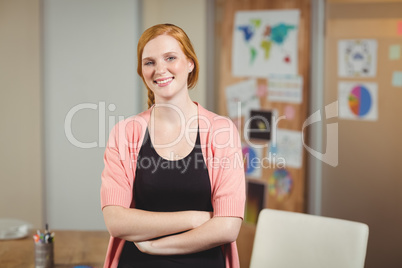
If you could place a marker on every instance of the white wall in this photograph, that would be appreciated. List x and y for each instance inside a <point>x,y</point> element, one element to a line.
<point>21,173</point>
<point>89,61</point>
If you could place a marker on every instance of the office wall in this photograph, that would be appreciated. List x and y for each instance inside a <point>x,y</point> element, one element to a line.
<point>191,16</point>
<point>88,67</point>
<point>366,186</point>
<point>89,81</point>
<point>21,173</point>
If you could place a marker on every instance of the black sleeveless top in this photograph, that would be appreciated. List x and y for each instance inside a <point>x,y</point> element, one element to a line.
<point>166,186</point>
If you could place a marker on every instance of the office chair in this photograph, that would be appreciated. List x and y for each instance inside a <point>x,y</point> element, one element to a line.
<point>295,240</point>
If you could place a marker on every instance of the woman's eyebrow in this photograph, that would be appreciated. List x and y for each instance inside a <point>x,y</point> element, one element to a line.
<point>170,52</point>
<point>164,55</point>
<point>147,58</point>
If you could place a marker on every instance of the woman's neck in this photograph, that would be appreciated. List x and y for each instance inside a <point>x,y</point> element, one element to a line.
<point>175,112</point>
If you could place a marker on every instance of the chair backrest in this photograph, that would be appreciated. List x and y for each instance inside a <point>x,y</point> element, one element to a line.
<point>289,239</point>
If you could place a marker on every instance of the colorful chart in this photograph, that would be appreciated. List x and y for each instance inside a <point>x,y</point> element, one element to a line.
<point>360,101</point>
<point>280,184</point>
<point>265,42</point>
<point>252,161</point>
<point>255,201</point>
<point>357,58</point>
<point>249,154</point>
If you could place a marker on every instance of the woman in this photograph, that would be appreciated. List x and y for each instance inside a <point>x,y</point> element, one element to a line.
<point>173,188</point>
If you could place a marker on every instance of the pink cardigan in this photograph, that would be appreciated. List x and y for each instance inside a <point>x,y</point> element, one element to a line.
<point>221,148</point>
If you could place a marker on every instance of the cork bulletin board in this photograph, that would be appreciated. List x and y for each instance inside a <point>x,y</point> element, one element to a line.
<point>258,187</point>
<point>261,188</point>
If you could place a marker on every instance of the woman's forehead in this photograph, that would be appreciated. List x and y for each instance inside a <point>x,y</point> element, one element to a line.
<point>160,45</point>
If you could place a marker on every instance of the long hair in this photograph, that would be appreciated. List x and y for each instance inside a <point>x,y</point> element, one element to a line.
<point>185,44</point>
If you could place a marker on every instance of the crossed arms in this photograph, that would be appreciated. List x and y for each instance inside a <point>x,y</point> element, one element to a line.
<point>189,231</point>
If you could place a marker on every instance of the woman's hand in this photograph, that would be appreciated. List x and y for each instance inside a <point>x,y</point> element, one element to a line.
<point>144,246</point>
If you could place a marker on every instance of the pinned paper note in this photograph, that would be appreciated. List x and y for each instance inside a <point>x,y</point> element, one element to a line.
<point>397,78</point>
<point>260,125</point>
<point>289,147</point>
<point>358,100</point>
<point>255,201</point>
<point>280,184</point>
<point>399,28</point>
<point>290,112</point>
<point>265,42</point>
<point>285,88</point>
<point>252,158</point>
<point>357,58</point>
<point>262,91</point>
<point>241,98</point>
<point>394,52</point>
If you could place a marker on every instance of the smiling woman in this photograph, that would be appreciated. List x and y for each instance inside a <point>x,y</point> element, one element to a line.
<point>165,67</point>
<point>185,47</point>
<point>169,204</point>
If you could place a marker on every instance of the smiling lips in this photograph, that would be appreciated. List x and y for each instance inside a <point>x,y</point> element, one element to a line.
<point>163,81</point>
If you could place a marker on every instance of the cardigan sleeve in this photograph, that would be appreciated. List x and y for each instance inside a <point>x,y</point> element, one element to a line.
<point>117,176</point>
<point>228,170</point>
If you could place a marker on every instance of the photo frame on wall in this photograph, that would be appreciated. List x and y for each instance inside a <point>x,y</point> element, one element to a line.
<point>259,125</point>
<point>255,202</point>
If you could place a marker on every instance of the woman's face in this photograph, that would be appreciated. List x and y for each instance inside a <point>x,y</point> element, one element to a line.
<point>165,67</point>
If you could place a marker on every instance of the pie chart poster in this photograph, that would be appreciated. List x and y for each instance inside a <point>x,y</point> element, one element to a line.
<point>358,101</point>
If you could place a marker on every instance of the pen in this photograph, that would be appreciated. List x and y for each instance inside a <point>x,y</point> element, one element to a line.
<point>45,237</point>
<point>36,238</point>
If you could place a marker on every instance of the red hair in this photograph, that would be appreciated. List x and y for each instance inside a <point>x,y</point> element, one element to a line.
<point>185,44</point>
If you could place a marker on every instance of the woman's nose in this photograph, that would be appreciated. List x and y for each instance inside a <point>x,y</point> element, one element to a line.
<point>160,67</point>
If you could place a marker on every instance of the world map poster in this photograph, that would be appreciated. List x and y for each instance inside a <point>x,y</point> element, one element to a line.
<point>265,42</point>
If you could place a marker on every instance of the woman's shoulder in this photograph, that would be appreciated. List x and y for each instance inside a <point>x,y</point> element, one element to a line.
<point>222,132</point>
<point>134,123</point>
<point>214,120</point>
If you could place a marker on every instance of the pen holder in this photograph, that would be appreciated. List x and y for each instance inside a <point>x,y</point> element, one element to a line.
<point>44,255</point>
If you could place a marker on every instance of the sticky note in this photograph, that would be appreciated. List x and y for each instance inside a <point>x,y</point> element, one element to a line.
<point>399,29</point>
<point>397,79</point>
<point>394,52</point>
<point>262,90</point>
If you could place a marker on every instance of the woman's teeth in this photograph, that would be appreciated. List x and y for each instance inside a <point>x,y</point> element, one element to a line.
<point>164,81</point>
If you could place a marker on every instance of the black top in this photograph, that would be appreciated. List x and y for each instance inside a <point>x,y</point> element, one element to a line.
<point>165,186</point>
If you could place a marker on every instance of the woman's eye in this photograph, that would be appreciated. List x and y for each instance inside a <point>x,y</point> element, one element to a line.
<point>148,63</point>
<point>171,58</point>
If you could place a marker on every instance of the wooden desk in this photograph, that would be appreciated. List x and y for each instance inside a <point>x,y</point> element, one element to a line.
<point>71,248</point>
<point>245,242</point>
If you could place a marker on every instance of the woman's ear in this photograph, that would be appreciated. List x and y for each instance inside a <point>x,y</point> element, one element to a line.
<point>190,65</point>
